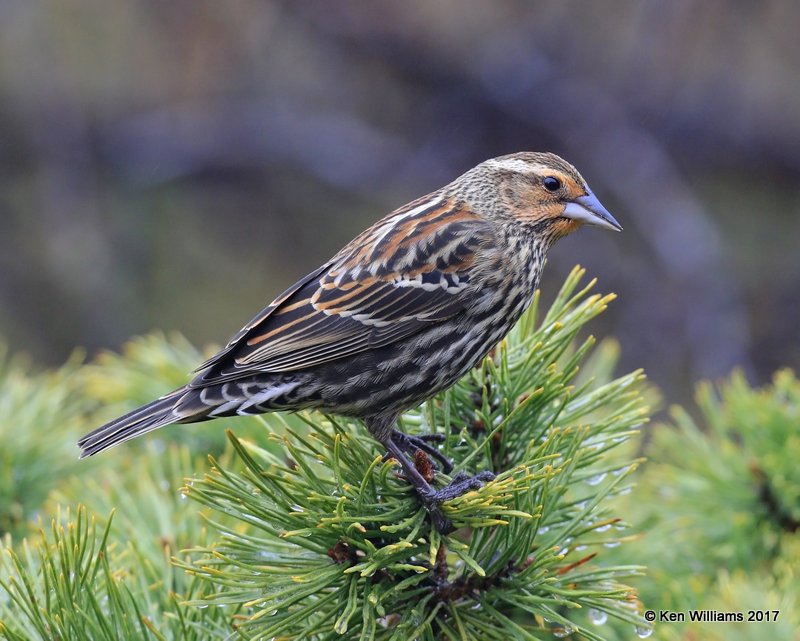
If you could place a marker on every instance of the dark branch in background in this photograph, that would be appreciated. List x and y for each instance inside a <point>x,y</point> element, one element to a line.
<point>775,511</point>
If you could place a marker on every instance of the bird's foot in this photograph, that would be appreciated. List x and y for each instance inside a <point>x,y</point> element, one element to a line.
<point>461,484</point>
<point>410,444</point>
<point>432,499</point>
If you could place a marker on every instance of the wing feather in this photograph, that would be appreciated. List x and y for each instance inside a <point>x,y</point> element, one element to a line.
<point>411,269</point>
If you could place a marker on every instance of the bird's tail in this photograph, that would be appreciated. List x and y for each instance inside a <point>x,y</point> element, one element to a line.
<point>145,419</point>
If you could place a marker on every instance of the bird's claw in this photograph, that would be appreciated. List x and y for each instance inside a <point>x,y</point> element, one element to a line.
<point>432,499</point>
<point>460,485</point>
<point>411,444</point>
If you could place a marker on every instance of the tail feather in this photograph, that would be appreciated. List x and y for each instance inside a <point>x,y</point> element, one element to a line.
<point>187,405</point>
<point>144,419</point>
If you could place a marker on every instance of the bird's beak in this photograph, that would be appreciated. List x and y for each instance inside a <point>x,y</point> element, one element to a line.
<point>587,209</point>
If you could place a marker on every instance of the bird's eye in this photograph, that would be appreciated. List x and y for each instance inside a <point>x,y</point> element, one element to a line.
<point>551,183</point>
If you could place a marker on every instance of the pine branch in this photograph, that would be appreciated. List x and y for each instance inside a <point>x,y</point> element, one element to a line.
<point>320,538</point>
<point>87,578</point>
<point>64,587</point>
<point>332,544</point>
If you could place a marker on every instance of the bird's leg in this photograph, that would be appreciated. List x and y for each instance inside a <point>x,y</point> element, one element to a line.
<point>382,428</point>
<point>426,493</point>
<point>410,444</point>
<point>432,499</point>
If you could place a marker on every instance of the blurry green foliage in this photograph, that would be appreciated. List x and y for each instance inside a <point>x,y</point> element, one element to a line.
<point>720,504</point>
<point>147,367</point>
<point>40,416</point>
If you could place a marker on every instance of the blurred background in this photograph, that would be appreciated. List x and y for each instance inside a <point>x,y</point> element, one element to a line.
<point>176,165</point>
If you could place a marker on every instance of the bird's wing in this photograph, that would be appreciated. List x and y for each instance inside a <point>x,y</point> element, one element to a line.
<point>407,271</point>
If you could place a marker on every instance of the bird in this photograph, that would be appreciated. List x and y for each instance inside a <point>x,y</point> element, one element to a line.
<point>400,313</point>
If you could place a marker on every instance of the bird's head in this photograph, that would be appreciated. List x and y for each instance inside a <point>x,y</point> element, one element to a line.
<point>545,193</point>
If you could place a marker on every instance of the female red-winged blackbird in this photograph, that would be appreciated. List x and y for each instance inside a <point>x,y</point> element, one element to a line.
<point>400,313</point>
